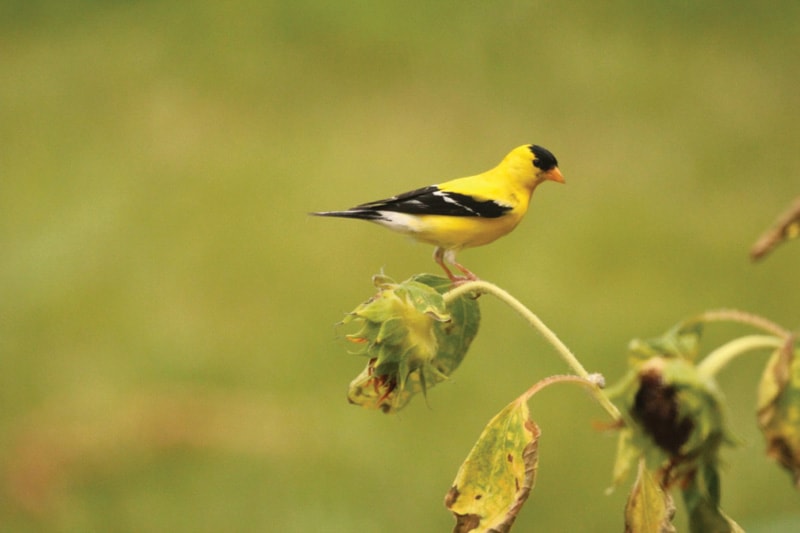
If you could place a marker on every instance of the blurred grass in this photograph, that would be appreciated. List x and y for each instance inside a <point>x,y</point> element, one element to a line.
<point>167,353</point>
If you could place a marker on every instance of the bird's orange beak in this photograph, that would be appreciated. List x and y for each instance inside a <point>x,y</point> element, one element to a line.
<point>554,175</point>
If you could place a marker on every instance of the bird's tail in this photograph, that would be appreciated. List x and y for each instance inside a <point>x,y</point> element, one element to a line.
<point>363,214</point>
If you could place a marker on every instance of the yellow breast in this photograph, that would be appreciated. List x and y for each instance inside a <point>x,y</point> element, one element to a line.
<point>455,233</point>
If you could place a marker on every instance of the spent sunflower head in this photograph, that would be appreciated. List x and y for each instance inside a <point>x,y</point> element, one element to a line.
<point>412,338</point>
<point>676,411</point>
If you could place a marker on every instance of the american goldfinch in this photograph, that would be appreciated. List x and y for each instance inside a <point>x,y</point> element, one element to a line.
<point>464,212</point>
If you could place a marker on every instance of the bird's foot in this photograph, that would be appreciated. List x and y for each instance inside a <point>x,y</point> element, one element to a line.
<point>460,280</point>
<point>439,257</point>
<point>468,275</point>
<point>466,278</point>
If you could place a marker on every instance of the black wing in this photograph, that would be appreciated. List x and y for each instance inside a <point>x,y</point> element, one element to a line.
<point>432,201</point>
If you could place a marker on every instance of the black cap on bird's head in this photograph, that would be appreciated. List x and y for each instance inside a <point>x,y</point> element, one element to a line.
<point>546,162</point>
<point>543,158</point>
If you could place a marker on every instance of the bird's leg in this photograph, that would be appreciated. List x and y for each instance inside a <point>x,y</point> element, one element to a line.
<point>438,256</point>
<point>441,255</point>
<point>468,275</point>
<point>450,256</point>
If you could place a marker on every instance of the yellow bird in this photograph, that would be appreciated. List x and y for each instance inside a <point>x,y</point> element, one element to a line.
<point>464,212</point>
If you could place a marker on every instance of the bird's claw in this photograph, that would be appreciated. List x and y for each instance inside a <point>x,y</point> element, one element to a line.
<point>460,280</point>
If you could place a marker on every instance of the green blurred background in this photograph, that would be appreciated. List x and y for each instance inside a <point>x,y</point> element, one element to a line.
<point>168,355</point>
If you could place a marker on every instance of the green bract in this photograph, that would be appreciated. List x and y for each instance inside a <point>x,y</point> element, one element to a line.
<point>413,340</point>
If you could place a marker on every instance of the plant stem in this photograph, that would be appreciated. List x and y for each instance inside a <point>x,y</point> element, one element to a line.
<point>563,378</point>
<point>734,315</point>
<point>719,358</point>
<point>565,353</point>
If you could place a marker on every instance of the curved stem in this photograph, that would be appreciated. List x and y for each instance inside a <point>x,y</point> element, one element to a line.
<point>719,358</point>
<point>562,378</point>
<point>565,353</point>
<point>734,315</point>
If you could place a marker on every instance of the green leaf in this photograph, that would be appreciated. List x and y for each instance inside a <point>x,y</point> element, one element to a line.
<point>649,509</point>
<point>779,408</point>
<point>498,474</point>
<point>701,496</point>
<point>682,341</point>
<point>456,335</point>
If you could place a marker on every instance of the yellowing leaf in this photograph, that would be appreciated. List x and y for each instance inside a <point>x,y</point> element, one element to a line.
<point>649,509</point>
<point>628,452</point>
<point>498,474</point>
<point>779,409</point>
